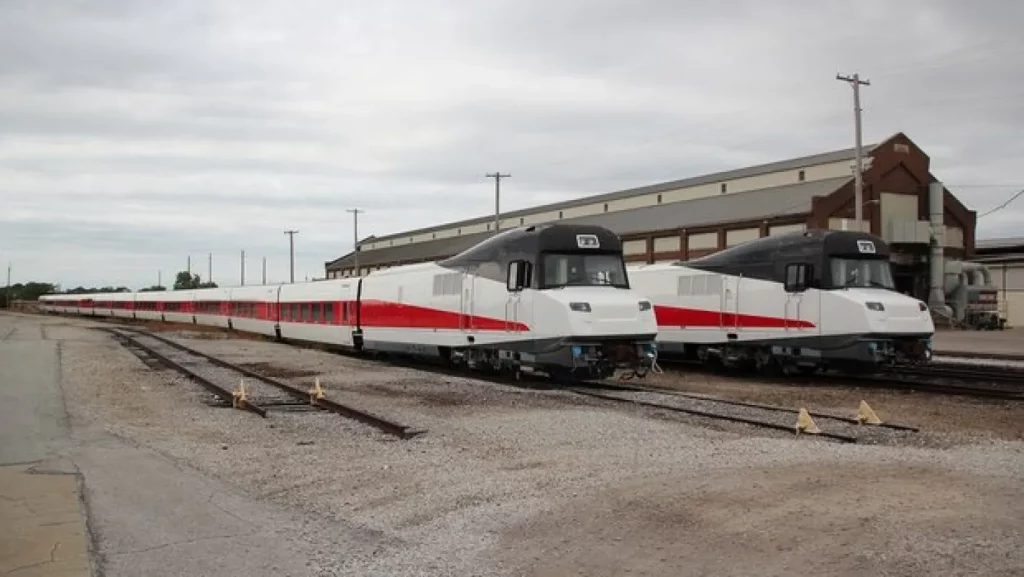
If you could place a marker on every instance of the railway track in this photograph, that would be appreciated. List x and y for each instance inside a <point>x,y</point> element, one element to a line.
<point>836,427</point>
<point>979,355</point>
<point>219,377</point>
<point>974,381</point>
<point>847,429</point>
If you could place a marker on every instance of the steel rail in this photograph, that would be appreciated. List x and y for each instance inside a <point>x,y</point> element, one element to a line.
<point>718,416</point>
<point>776,408</point>
<point>897,381</point>
<point>978,355</point>
<point>210,385</point>
<point>397,429</point>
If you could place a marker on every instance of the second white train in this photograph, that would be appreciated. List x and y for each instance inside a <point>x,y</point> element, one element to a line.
<point>805,301</point>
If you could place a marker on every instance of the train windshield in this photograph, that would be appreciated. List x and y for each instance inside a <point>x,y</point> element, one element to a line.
<point>861,273</point>
<point>583,270</point>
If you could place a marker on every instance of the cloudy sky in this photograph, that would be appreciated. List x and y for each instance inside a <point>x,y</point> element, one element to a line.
<point>136,134</point>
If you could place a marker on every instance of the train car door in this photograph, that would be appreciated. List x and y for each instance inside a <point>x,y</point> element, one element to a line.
<point>519,300</point>
<point>730,303</point>
<point>466,309</point>
<point>803,302</point>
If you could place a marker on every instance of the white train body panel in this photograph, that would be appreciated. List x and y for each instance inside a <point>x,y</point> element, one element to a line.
<point>318,312</point>
<point>252,309</point>
<point>211,306</point>
<point>146,305</point>
<point>845,310</point>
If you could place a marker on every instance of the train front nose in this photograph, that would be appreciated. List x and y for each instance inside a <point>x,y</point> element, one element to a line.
<point>621,313</point>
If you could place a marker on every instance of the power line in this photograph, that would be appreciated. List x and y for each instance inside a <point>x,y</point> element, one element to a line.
<point>856,83</point>
<point>1005,204</point>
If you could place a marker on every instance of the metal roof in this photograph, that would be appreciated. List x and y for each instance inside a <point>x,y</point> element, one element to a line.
<point>735,207</point>
<point>791,164</point>
<point>998,243</point>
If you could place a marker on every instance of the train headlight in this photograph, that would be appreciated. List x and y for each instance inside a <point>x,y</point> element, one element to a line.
<point>875,306</point>
<point>645,306</point>
<point>580,307</point>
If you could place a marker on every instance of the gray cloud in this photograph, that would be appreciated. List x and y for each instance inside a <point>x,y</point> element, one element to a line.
<point>137,133</point>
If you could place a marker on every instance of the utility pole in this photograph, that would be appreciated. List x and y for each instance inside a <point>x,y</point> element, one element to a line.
<point>188,266</point>
<point>264,270</point>
<point>243,268</point>
<point>355,239</point>
<point>291,249</point>
<point>497,176</point>
<point>159,278</point>
<point>209,268</point>
<point>856,82</point>
<point>7,292</point>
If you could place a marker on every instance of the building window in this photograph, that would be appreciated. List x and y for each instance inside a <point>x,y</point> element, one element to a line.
<point>559,215</point>
<point>606,207</point>
<point>801,176</point>
<point>723,188</point>
<point>659,199</point>
<point>488,226</point>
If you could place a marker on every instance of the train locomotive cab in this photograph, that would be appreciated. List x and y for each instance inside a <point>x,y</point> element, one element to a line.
<point>808,300</point>
<point>564,300</point>
<point>860,302</point>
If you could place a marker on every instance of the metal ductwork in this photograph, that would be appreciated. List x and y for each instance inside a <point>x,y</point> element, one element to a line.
<point>936,293</point>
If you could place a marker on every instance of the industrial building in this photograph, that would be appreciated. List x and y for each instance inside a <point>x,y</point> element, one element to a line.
<point>692,217</point>
<point>1004,260</point>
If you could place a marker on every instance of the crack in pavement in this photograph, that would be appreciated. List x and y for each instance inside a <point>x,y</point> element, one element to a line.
<point>185,542</point>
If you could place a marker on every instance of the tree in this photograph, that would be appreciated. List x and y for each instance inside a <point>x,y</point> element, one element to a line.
<point>184,281</point>
<point>24,292</point>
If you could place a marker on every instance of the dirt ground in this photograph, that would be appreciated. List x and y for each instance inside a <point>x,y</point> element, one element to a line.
<point>508,483</point>
<point>774,520</point>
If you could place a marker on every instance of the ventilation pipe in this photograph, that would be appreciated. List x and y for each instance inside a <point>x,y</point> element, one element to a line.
<point>936,294</point>
<point>980,269</point>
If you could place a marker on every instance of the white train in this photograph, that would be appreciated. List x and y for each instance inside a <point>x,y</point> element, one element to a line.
<point>808,301</point>
<point>552,297</point>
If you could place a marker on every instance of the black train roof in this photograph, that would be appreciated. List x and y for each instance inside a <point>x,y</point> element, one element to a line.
<point>810,242</point>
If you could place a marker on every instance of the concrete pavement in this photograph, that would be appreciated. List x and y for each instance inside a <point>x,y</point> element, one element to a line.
<point>42,518</point>
<point>69,493</point>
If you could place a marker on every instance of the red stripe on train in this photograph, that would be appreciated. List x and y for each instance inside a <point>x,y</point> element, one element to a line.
<point>683,317</point>
<point>383,314</point>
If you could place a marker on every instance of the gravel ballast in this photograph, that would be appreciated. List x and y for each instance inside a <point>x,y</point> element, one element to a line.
<point>516,482</point>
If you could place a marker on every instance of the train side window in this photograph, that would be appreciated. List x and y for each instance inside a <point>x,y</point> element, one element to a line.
<point>316,312</point>
<point>329,313</point>
<point>518,275</point>
<point>797,275</point>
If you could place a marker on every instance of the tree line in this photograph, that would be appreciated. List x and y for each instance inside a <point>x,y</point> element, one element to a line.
<point>31,291</point>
